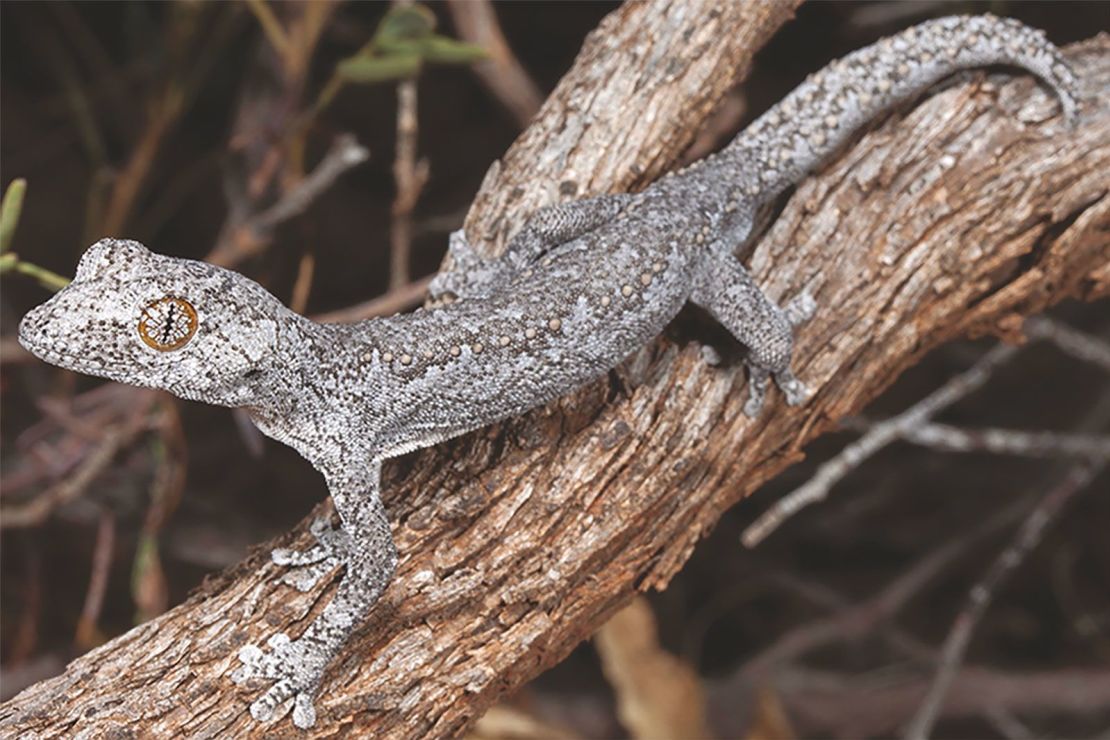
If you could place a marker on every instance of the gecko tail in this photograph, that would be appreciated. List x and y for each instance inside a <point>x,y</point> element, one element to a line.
<point>820,115</point>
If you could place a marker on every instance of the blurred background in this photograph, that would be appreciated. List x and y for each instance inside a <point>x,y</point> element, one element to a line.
<point>215,130</point>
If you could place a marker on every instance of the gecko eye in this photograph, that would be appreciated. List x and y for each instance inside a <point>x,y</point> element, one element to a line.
<point>168,323</point>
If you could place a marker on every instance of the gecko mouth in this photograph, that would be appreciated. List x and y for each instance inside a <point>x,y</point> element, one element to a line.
<point>45,352</point>
<point>46,349</point>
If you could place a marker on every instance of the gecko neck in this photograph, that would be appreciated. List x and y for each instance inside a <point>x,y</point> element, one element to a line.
<point>285,379</point>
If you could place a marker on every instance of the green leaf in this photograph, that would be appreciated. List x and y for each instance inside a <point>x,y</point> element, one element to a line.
<point>444,50</point>
<point>365,69</point>
<point>10,208</point>
<point>405,23</point>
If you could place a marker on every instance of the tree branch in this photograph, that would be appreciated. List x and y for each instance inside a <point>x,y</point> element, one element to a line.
<point>519,540</point>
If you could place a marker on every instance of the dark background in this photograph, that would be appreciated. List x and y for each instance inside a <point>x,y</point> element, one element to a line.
<point>728,603</point>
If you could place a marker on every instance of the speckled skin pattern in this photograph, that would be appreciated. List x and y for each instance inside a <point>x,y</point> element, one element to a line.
<point>582,286</point>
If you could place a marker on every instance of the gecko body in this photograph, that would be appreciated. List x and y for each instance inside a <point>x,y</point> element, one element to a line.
<point>579,288</point>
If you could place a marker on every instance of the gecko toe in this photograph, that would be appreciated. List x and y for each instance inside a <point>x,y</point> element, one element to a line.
<point>793,389</point>
<point>304,713</point>
<point>263,708</point>
<point>278,640</point>
<point>801,308</point>
<point>306,578</point>
<point>250,655</point>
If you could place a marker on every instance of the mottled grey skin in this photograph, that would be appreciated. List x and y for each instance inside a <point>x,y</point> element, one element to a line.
<point>582,286</point>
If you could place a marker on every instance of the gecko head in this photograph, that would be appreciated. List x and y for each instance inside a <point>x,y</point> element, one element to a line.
<point>196,330</point>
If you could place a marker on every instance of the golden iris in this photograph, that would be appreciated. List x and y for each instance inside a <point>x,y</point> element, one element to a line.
<point>168,323</point>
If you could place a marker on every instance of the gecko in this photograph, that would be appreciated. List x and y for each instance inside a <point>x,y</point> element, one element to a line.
<point>580,287</point>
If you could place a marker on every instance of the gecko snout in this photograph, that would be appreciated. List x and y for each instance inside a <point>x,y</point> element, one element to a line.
<point>31,328</point>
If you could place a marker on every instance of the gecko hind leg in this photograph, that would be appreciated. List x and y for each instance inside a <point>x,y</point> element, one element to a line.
<point>725,289</point>
<point>473,275</point>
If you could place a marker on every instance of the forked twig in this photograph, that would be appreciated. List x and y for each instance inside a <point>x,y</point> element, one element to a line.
<point>880,435</point>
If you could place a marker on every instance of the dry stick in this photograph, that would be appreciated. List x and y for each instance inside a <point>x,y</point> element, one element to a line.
<point>36,510</point>
<point>502,74</point>
<point>1078,344</point>
<point>862,618</point>
<point>345,152</point>
<point>949,438</point>
<point>893,635</point>
<point>1007,725</point>
<point>255,232</point>
<point>410,177</point>
<point>107,442</point>
<point>303,284</point>
<point>85,636</point>
<point>275,34</point>
<point>404,297</point>
<point>981,594</point>
<point>881,435</point>
<point>164,113</point>
<point>843,705</point>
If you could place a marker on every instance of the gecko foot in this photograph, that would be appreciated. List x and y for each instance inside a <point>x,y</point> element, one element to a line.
<point>792,389</point>
<point>757,389</point>
<point>295,667</point>
<point>801,308</point>
<point>309,566</point>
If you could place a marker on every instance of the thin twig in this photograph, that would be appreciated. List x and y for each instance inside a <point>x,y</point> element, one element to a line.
<point>981,594</point>
<point>392,302</point>
<point>1078,344</point>
<point>845,705</point>
<point>409,176</point>
<point>1007,724</point>
<point>881,435</point>
<point>864,617</point>
<point>275,34</point>
<point>949,438</point>
<point>255,232</point>
<point>164,112</point>
<point>38,509</point>
<point>345,153</point>
<point>110,417</point>
<point>302,286</point>
<point>101,562</point>
<point>502,74</point>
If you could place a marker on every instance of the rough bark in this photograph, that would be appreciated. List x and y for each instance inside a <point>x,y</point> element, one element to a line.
<point>519,540</point>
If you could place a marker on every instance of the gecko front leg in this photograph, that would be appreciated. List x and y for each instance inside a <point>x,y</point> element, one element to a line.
<point>364,545</point>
